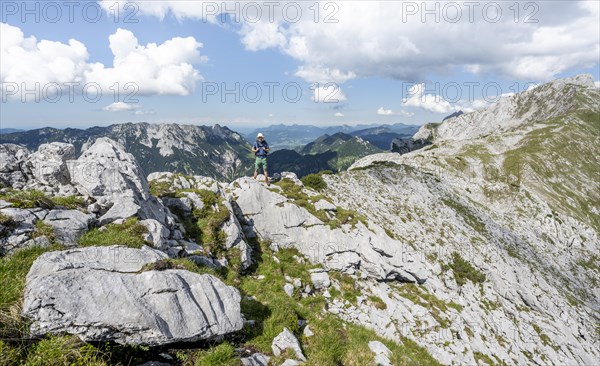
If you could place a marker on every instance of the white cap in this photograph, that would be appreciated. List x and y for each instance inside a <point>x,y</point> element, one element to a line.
<point>259,135</point>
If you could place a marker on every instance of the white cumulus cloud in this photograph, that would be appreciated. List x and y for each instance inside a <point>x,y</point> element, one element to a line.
<point>151,69</point>
<point>121,107</point>
<point>388,112</point>
<point>338,114</point>
<point>431,102</point>
<point>385,39</point>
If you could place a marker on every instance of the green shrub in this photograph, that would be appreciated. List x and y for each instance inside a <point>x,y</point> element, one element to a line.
<point>314,181</point>
<point>463,270</point>
<point>129,233</point>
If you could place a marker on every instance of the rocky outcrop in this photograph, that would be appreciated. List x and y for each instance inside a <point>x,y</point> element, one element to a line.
<point>112,176</point>
<point>47,167</point>
<point>12,161</point>
<point>270,216</point>
<point>404,146</point>
<point>109,293</point>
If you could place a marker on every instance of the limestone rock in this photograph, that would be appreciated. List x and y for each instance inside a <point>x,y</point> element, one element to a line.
<point>48,165</point>
<point>12,160</point>
<point>257,359</point>
<point>68,225</point>
<point>382,353</point>
<point>108,173</point>
<point>320,279</point>
<point>98,294</point>
<point>285,340</point>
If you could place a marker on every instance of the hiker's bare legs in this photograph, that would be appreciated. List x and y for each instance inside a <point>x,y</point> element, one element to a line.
<point>255,174</point>
<point>266,177</point>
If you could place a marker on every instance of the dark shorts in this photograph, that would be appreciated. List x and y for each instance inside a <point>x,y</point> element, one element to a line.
<point>260,160</point>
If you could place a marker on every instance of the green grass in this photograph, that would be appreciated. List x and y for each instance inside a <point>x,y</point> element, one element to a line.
<point>129,233</point>
<point>63,350</point>
<point>204,225</point>
<point>377,302</point>
<point>34,198</point>
<point>314,181</point>
<point>221,355</point>
<point>43,229</point>
<point>69,202</point>
<point>335,343</point>
<point>185,264</point>
<point>13,271</point>
<point>463,270</point>
<point>349,289</point>
<point>27,198</point>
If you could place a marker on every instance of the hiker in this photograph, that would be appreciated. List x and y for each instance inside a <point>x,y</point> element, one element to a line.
<point>261,149</point>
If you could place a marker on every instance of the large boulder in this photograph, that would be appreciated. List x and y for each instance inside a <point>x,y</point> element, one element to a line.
<point>48,165</point>
<point>109,294</point>
<point>12,160</point>
<point>108,173</point>
<point>270,216</point>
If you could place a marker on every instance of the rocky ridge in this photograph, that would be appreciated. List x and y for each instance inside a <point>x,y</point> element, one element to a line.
<point>448,247</point>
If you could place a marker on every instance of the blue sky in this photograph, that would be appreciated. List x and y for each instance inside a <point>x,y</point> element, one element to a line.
<point>370,53</point>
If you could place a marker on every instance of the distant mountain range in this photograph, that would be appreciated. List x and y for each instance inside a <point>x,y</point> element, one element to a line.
<point>295,136</point>
<point>4,131</point>
<point>224,154</point>
<point>211,151</point>
<point>336,152</point>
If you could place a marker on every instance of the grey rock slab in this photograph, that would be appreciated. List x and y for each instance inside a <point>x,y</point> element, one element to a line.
<point>68,225</point>
<point>99,295</point>
<point>287,340</point>
<point>381,352</point>
<point>24,218</point>
<point>257,359</point>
